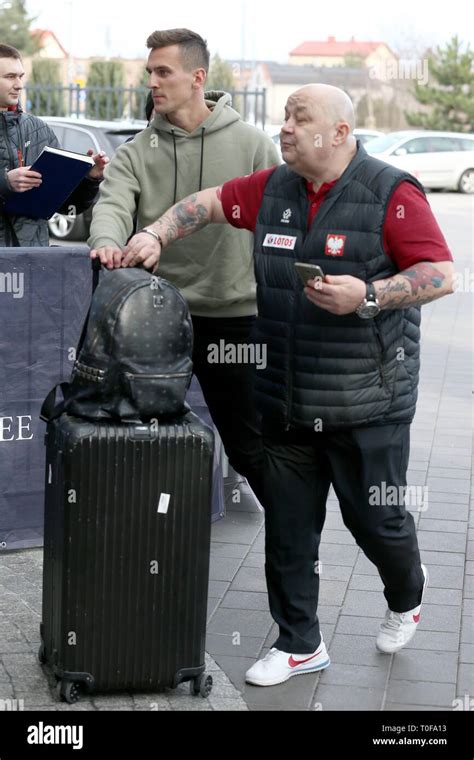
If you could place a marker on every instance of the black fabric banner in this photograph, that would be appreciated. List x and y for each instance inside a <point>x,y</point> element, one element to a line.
<point>44,297</point>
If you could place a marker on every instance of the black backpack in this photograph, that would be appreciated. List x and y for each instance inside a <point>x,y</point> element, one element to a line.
<point>134,357</point>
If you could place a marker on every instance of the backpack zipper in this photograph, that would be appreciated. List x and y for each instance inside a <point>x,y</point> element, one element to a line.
<point>130,375</point>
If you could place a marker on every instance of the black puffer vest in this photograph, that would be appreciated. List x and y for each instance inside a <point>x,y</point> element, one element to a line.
<point>325,371</point>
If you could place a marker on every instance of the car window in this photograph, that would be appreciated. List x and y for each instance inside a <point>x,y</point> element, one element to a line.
<point>381,144</point>
<point>466,144</point>
<point>58,131</point>
<point>417,145</point>
<point>118,137</point>
<point>443,144</point>
<point>78,140</point>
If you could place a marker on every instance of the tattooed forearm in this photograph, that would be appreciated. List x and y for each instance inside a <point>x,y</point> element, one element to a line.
<point>183,219</point>
<point>416,286</point>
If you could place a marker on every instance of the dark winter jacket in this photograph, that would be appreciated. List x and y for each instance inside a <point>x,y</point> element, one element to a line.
<point>341,371</point>
<point>28,134</point>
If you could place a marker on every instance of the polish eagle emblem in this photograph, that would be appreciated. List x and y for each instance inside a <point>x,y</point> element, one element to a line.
<point>335,245</point>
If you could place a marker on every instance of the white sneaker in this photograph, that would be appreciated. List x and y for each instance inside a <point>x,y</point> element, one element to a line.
<point>399,628</point>
<point>279,666</point>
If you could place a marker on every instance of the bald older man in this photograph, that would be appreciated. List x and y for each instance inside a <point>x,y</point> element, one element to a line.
<point>339,390</point>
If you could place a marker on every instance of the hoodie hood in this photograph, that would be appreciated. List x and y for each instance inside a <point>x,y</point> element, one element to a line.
<point>222,114</point>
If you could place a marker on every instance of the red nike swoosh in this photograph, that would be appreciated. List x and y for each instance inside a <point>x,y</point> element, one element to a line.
<point>416,618</point>
<point>293,663</point>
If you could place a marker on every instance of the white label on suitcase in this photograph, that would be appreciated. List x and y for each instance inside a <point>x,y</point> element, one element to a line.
<point>50,474</point>
<point>164,503</point>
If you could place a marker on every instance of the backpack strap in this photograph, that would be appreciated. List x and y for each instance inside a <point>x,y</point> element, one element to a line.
<point>49,410</point>
<point>96,267</point>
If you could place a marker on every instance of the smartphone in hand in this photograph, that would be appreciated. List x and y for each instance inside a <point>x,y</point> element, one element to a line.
<point>308,272</point>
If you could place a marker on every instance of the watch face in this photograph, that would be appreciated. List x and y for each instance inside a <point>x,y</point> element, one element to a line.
<point>368,310</point>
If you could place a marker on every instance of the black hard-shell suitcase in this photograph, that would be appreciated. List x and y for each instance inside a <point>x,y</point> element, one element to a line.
<point>126,555</point>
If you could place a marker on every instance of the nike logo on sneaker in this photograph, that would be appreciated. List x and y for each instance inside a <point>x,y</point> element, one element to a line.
<point>416,618</point>
<point>294,663</point>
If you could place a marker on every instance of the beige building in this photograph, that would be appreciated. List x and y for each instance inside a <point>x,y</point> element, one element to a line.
<point>331,52</point>
<point>75,70</point>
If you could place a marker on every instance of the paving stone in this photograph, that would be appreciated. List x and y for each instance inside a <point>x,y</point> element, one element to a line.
<point>424,693</point>
<point>416,665</point>
<point>244,622</point>
<point>361,582</point>
<point>223,568</point>
<point>465,682</point>
<point>448,542</point>
<point>297,692</point>
<point>245,600</point>
<point>348,649</point>
<point>450,526</point>
<point>334,698</point>
<point>435,617</point>
<point>249,579</point>
<point>219,549</point>
<point>353,625</point>
<point>254,559</point>
<point>354,675</point>
<point>434,641</point>
<point>466,653</point>
<point>217,588</point>
<point>332,592</point>
<point>218,644</point>
<point>444,596</point>
<point>370,603</point>
<point>332,554</point>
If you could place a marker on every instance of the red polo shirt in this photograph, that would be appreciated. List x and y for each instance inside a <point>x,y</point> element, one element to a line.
<point>410,231</point>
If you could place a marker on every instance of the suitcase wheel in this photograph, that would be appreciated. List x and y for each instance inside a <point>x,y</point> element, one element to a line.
<point>201,685</point>
<point>42,654</point>
<point>68,691</point>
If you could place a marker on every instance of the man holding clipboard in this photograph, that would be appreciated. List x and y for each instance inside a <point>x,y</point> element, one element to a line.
<point>23,137</point>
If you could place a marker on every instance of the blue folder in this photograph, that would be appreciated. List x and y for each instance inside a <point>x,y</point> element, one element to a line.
<point>61,171</point>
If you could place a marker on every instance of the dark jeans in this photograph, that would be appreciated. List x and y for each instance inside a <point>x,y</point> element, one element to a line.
<point>227,389</point>
<point>299,468</point>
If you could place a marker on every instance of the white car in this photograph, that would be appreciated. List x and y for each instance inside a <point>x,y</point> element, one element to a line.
<point>439,160</point>
<point>367,135</point>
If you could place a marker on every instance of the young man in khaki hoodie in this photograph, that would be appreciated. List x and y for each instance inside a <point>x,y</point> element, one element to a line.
<point>195,141</point>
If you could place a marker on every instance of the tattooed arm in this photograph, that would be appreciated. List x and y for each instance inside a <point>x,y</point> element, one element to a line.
<point>420,284</point>
<point>188,216</point>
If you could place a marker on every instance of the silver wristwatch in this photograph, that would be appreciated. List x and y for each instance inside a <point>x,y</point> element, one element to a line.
<point>370,307</point>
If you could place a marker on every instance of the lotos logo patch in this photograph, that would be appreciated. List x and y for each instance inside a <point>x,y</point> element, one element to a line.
<point>335,245</point>
<point>280,241</point>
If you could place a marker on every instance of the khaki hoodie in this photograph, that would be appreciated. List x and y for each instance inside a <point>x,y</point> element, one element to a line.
<point>162,165</point>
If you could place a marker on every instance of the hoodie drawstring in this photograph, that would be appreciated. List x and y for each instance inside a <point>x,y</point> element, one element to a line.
<point>201,169</point>
<point>175,167</point>
<point>202,158</point>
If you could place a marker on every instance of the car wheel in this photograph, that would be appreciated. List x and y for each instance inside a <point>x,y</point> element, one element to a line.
<point>65,227</point>
<point>466,183</point>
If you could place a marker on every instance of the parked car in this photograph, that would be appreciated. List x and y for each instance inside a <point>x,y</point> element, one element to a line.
<point>79,135</point>
<point>366,135</point>
<point>439,160</point>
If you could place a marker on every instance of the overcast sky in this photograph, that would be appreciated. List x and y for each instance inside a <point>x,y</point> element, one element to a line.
<point>272,28</point>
